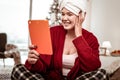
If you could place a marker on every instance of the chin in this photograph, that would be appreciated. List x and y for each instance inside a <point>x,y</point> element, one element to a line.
<point>68,27</point>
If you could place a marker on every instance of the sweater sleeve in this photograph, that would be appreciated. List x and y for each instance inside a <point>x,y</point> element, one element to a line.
<point>88,53</point>
<point>41,65</point>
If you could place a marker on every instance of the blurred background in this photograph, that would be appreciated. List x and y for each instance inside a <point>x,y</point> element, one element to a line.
<point>103,19</point>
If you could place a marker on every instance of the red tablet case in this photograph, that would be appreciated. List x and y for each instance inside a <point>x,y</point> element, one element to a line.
<point>39,32</point>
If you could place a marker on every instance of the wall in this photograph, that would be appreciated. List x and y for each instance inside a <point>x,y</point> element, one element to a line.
<point>105,21</point>
<point>86,23</point>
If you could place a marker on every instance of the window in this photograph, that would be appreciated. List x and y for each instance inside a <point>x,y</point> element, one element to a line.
<point>14,16</point>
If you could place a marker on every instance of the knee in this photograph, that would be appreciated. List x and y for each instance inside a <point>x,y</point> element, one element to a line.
<point>17,71</point>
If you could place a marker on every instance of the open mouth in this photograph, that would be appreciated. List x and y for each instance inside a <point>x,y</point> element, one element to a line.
<point>66,23</point>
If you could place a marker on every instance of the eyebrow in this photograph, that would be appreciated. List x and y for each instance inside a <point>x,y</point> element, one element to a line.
<point>68,12</point>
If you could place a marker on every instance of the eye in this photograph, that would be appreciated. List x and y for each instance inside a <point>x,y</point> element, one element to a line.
<point>62,14</point>
<point>70,14</point>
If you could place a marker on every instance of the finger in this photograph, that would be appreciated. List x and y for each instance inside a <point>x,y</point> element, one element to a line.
<point>33,47</point>
<point>76,20</point>
<point>33,54</point>
<point>32,60</point>
<point>36,53</point>
<point>30,46</point>
<point>81,17</point>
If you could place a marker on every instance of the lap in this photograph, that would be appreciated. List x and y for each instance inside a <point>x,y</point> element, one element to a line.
<point>19,72</point>
<point>99,74</point>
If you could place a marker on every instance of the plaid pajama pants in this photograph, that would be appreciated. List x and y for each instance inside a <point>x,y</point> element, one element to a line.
<point>19,72</point>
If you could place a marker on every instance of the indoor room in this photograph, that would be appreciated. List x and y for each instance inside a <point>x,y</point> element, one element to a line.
<point>102,19</point>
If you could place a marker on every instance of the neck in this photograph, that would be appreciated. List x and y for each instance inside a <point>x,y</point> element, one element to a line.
<point>71,33</point>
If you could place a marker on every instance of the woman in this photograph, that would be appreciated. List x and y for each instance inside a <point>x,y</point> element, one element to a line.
<point>75,51</point>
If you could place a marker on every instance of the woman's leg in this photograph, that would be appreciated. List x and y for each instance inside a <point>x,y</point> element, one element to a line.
<point>19,72</point>
<point>99,74</point>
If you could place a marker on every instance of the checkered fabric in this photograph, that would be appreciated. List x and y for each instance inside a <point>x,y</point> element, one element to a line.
<point>99,74</point>
<point>19,72</point>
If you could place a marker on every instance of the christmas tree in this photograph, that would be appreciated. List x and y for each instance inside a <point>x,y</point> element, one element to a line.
<point>54,14</point>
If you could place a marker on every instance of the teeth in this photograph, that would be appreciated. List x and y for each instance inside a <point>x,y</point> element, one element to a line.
<point>67,22</point>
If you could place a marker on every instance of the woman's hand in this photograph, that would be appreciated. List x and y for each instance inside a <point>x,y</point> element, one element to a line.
<point>33,55</point>
<point>78,24</point>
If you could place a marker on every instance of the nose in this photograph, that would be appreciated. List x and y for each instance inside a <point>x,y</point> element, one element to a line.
<point>64,17</point>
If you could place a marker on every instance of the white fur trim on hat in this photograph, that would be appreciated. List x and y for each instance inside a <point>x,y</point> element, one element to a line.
<point>74,6</point>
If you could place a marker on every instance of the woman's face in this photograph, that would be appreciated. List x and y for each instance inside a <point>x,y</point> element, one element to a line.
<point>68,19</point>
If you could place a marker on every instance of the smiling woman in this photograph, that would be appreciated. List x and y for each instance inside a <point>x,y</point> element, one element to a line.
<point>68,39</point>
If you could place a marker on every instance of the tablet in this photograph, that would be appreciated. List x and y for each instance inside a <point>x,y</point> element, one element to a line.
<point>39,32</point>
